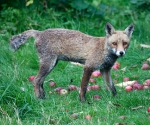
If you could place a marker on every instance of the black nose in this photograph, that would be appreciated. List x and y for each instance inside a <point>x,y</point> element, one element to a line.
<point>121,53</point>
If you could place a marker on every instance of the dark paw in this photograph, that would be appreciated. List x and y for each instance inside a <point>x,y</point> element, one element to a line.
<point>114,91</point>
<point>82,99</point>
<point>41,96</point>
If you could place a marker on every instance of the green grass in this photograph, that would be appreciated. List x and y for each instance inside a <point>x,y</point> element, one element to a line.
<point>18,104</point>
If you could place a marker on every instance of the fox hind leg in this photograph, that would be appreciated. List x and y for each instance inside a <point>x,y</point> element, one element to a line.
<point>46,65</point>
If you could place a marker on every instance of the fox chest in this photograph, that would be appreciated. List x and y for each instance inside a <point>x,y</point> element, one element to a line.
<point>107,62</point>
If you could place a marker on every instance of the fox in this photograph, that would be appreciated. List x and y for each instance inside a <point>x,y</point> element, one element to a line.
<point>95,53</point>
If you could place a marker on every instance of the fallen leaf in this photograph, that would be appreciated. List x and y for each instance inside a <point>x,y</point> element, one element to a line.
<point>122,117</point>
<point>124,84</point>
<point>114,104</point>
<point>145,46</point>
<point>148,59</point>
<point>124,69</point>
<point>132,67</point>
<point>77,64</point>
<point>119,123</point>
<point>74,115</point>
<point>52,121</point>
<point>135,76</point>
<point>50,92</point>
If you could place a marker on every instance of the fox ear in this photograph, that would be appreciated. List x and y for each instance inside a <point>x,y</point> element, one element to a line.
<point>109,29</point>
<point>129,30</point>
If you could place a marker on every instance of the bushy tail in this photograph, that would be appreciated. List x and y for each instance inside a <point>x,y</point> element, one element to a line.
<point>17,40</point>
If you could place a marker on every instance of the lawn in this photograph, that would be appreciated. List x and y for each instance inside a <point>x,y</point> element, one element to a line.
<point>18,105</point>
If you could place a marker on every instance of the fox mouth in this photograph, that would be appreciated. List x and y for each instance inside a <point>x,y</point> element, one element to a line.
<point>120,53</point>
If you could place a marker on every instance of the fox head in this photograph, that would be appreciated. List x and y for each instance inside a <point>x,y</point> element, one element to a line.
<point>118,41</point>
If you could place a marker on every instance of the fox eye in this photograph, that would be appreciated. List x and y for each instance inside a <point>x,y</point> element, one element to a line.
<point>125,43</point>
<point>114,43</point>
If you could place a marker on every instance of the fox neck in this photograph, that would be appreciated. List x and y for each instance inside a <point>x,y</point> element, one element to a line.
<point>108,61</point>
<point>109,57</point>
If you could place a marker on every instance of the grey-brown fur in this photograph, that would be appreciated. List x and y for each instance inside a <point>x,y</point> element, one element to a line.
<point>70,45</point>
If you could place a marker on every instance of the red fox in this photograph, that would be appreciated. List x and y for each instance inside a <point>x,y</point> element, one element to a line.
<point>70,45</point>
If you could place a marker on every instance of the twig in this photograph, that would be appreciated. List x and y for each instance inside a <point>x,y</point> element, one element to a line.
<point>135,108</point>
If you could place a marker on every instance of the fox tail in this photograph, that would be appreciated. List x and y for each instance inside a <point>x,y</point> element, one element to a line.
<point>17,40</point>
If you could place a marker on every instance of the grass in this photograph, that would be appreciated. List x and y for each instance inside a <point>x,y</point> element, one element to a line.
<point>17,102</point>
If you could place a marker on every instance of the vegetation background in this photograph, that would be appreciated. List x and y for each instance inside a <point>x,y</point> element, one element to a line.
<point>17,102</point>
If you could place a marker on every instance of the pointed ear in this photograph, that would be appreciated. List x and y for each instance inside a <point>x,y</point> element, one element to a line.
<point>109,29</point>
<point>129,30</point>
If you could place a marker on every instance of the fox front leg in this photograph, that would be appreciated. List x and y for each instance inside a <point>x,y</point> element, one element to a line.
<point>108,80</point>
<point>85,80</point>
